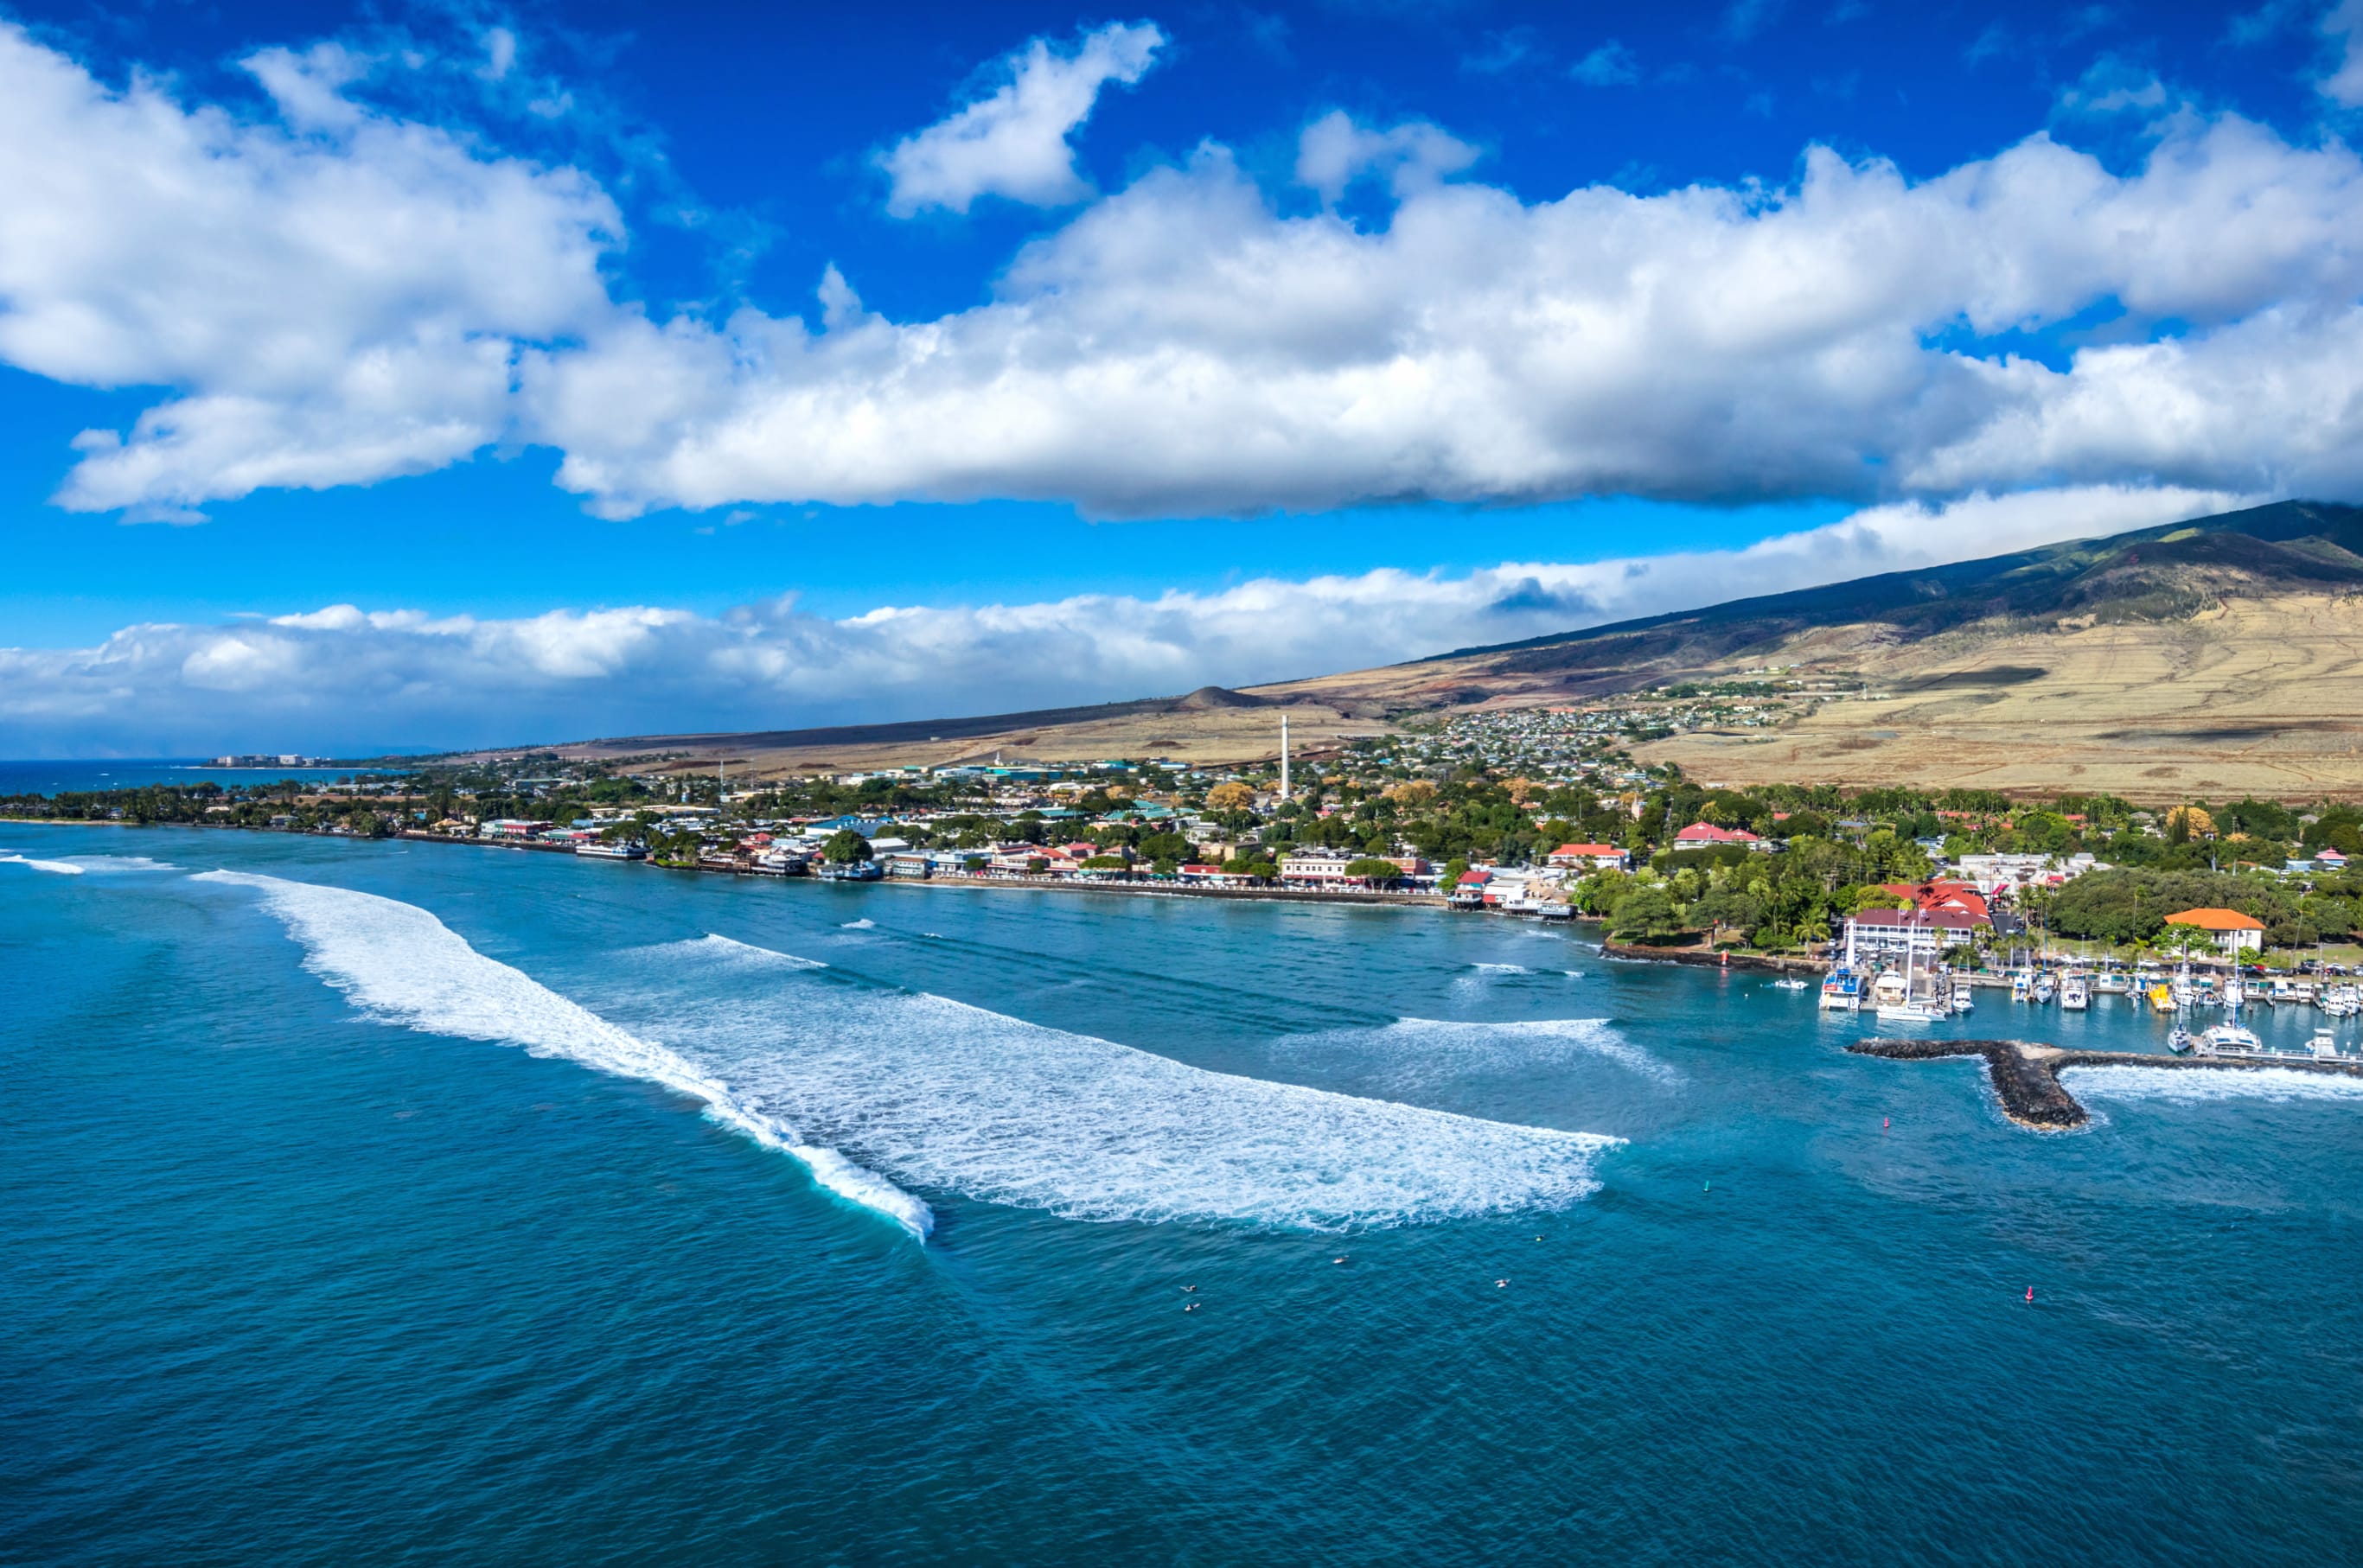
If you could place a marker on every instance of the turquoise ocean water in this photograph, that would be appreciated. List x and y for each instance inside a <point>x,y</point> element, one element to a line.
<point>400,1203</point>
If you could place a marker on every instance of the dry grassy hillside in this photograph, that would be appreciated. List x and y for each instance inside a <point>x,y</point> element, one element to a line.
<point>2258,696</point>
<point>2218,656</point>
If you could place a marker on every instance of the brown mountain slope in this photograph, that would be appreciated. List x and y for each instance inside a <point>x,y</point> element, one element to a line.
<point>2215,657</point>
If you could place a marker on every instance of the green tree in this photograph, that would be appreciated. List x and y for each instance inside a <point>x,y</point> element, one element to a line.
<point>1644,913</point>
<point>845,846</point>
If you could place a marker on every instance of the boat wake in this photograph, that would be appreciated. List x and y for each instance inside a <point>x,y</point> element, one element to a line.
<point>398,964</point>
<point>944,1094</point>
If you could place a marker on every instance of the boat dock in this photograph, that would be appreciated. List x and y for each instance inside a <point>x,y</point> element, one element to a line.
<point>2026,1075</point>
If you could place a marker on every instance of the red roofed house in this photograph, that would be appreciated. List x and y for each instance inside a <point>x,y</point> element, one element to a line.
<point>1705,835</point>
<point>1589,856</point>
<point>1958,898</point>
<point>2234,932</point>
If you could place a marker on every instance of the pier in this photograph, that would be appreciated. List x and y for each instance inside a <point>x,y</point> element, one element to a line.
<point>2026,1075</point>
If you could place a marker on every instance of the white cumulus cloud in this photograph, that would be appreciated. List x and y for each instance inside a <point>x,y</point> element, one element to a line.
<point>1013,142</point>
<point>339,295</point>
<point>341,678</point>
<point>1185,346</point>
<point>335,294</point>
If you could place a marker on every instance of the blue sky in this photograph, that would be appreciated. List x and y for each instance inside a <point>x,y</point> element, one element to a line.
<point>625,367</point>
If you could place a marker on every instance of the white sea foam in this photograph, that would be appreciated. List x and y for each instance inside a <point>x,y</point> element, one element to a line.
<point>400,963</point>
<point>729,950</point>
<point>1423,1050</point>
<point>61,868</point>
<point>2193,1085</point>
<point>944,1094</point>
<point>863,924</point>
<point>119,863</point>
<point>1501,969</point>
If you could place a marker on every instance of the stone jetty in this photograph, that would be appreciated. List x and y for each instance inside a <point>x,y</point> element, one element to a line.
<point>2026,1075</point>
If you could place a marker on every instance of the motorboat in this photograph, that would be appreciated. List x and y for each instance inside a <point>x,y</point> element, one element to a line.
<point>2075,995</point>
<point>2161,997</point>
<point>2022,985</point>
<point>2112,983</point>
<point>2342,1001</point>
<point>1964,995</point>
<point>2046,987</point>
<point>1913,1012</point>
<point>1842,991</point>
<point>1790,983</point>
<point>2229,1040</point>
<point>1911,996</point>
<point>2324,1046</point>
<point>2280,993</point>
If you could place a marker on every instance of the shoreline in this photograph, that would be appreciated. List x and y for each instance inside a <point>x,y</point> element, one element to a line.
<point>2025,1075</point>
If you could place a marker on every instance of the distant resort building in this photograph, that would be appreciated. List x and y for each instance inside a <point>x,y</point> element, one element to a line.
<point>2234,932</point>
<point>1588,856</point>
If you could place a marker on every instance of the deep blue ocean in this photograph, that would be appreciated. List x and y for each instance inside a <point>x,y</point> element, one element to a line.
<point>131,773</point>
<point>414,1203</point>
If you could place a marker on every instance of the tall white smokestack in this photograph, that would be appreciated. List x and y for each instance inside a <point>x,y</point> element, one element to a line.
<point>1284,757</point>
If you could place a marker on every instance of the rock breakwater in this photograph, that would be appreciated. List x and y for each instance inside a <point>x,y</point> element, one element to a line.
<point>2026,1075</point>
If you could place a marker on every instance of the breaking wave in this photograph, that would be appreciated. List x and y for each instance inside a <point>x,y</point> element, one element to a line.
<point>1418,1050</point>
<point>1501,969</point>
<point>399,963</point>
<point>61,867</point>
<point>2195,1085</point>
<point>944,1094</point>
<point>729,950</point>
<point>865,923</point>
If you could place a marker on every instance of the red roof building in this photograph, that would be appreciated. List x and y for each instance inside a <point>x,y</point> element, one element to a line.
<point>1957,897</point>
<point>1586,855</point>
<point>1701,835</point>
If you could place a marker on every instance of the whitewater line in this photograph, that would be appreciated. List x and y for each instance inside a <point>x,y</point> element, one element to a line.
<point>401,965</point>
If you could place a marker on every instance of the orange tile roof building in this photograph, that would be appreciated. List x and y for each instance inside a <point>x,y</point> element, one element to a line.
<point>2234,932</point>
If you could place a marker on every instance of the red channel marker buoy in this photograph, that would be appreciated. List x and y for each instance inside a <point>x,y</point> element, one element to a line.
<point>1882,1124</point>
<point>2030,1294</point>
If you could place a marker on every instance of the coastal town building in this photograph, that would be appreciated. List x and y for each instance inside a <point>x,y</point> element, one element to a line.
<point>1588,857</point>
<point>1895,933</point>
<point>2234,932</point>
<point>1996,873</point>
